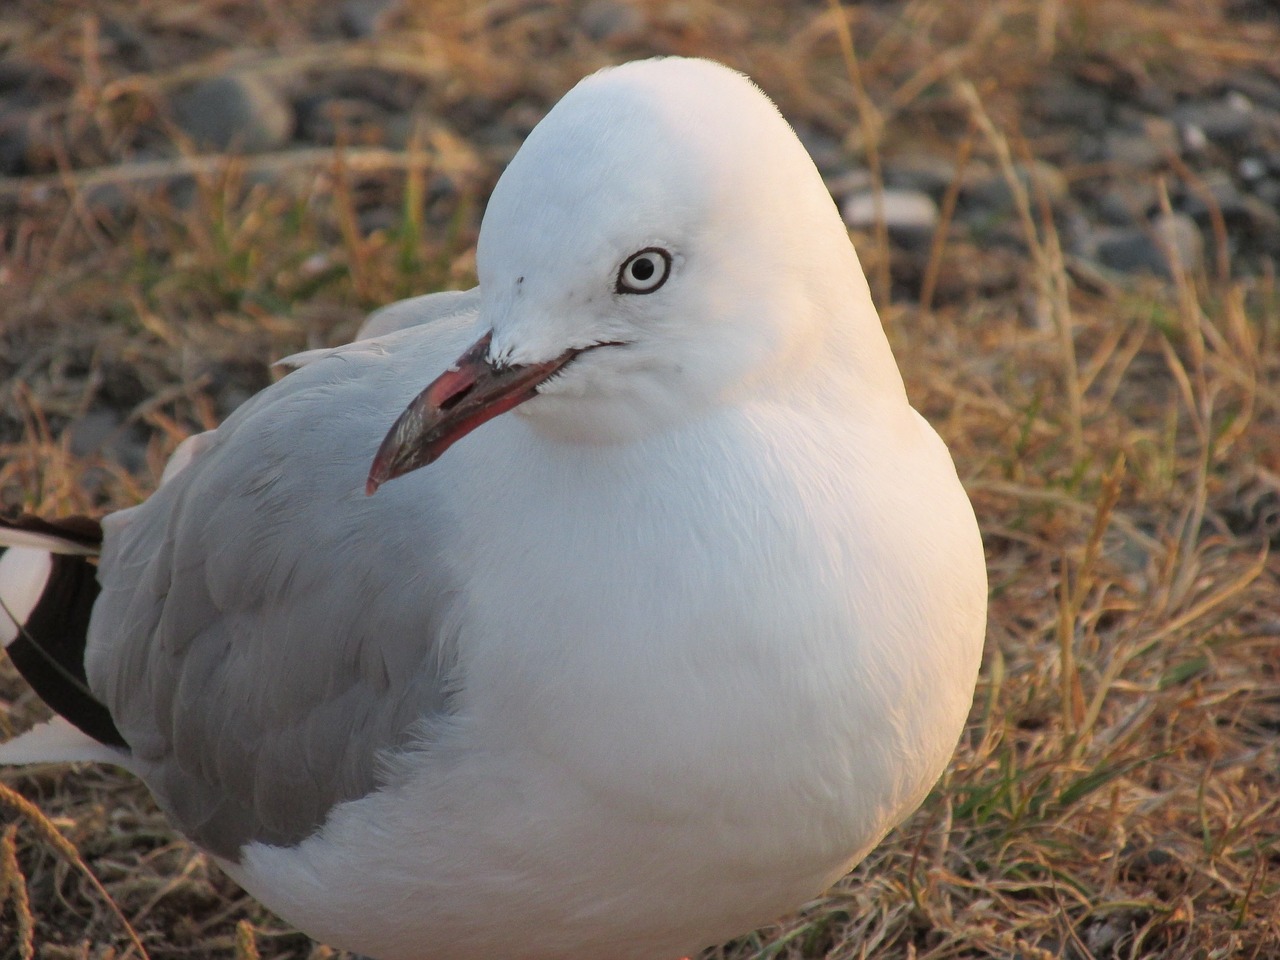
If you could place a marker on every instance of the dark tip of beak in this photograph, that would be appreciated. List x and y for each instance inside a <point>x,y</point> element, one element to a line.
<point>471,392</point>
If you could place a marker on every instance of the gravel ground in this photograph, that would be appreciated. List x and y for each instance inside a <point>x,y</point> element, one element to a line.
<point>1143,167</point>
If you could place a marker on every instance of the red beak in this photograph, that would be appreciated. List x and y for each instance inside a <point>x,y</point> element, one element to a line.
<point>466,395</point>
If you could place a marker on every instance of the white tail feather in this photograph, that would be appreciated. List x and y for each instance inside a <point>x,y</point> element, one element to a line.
<point>48,542</point>
<point>24,572</point>
<point>57,741</point>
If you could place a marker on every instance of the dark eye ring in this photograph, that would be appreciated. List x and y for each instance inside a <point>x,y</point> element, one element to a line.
<point>644,271</point>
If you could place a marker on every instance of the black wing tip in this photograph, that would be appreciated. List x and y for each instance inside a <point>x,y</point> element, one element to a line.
<point>70,700</point>
<point>49,648</point>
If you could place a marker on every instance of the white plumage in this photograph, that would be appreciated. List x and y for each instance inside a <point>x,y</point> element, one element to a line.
<point>630,670</point>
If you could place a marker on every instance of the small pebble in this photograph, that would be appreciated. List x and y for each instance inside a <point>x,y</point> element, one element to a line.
<point>365,18</point>
<point>14,141</point>
<point>1228,120</point>
<point>1146,148</point>
<point>1239,209</point>
<point>612,22</point>
<point>235,112</point>
<point>929,173</point>
<point>1062,100</point>
<point>1262,90</point>
<point>843,183</point>
<point>910,216</point>
<point>1148,250</point>
<point>1126,202</point>
<point>829,155</point>
<point>1194,139</point>
<point>1252,168</point>
<point>356,121</point>
<point>991,190</point>
<point>102,431</point>
<point>1268,192</point>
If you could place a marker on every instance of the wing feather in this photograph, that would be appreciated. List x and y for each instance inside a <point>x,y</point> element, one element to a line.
<point>266,634</point>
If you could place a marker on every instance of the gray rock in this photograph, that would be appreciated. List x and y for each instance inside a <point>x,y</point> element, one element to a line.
<point>1237,101</point>
<point>101,431</point>
<point>325,120</point>
<point>1062,100</point>
<point>36,144</point>
<point>1226,121</point>
<point>1268,192</point>
<point>1261,89</point>
<point>843,183</point>
<point>1078,235</point>
<point>27,83</point>
<point>399,130</point>
<point>614,22</point>
<point>14,140</point>
<point>120,201</point>
<point>128,45</point>
<point>828,154</point>
<point>910,216</point>
<point>1225,194</point>
<point>1048,180</point>
<point>111,201</point>
<point>1126,202</point>
<point>92,432</point>
<point>1146,148</point>
<point>1251,168</point>
<point>928,173</point>
<point>992,191</point>
<point>378,219</point>
<point>234,112</point>
<point>1194,139</point>
<point>1242,211</point>
<point>364,18</point>
<point>1262,220</point>
<point>1168,239</point>
<point>1153,98</point>
<point>1177,236</point>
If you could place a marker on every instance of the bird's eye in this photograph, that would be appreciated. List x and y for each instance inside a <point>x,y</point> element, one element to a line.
<point>644,271</point>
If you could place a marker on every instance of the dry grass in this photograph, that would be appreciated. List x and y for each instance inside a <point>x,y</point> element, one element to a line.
<point>1115,795</point>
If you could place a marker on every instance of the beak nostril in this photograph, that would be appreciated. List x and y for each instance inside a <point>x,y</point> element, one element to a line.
<point>453,399</point>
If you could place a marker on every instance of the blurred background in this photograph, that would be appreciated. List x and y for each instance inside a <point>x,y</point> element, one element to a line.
<point>1068,212</point>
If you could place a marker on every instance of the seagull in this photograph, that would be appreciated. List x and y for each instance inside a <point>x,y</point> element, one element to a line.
<point>635,629</point>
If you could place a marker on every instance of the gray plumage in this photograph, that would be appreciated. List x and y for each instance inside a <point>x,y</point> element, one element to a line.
<point>256,688</point>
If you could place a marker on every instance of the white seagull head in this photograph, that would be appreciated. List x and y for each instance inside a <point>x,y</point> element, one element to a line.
<point>661,243</point>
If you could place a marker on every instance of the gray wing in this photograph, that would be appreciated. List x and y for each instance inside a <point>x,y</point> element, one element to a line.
<point>266,633</point>
<point>419,310</point>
